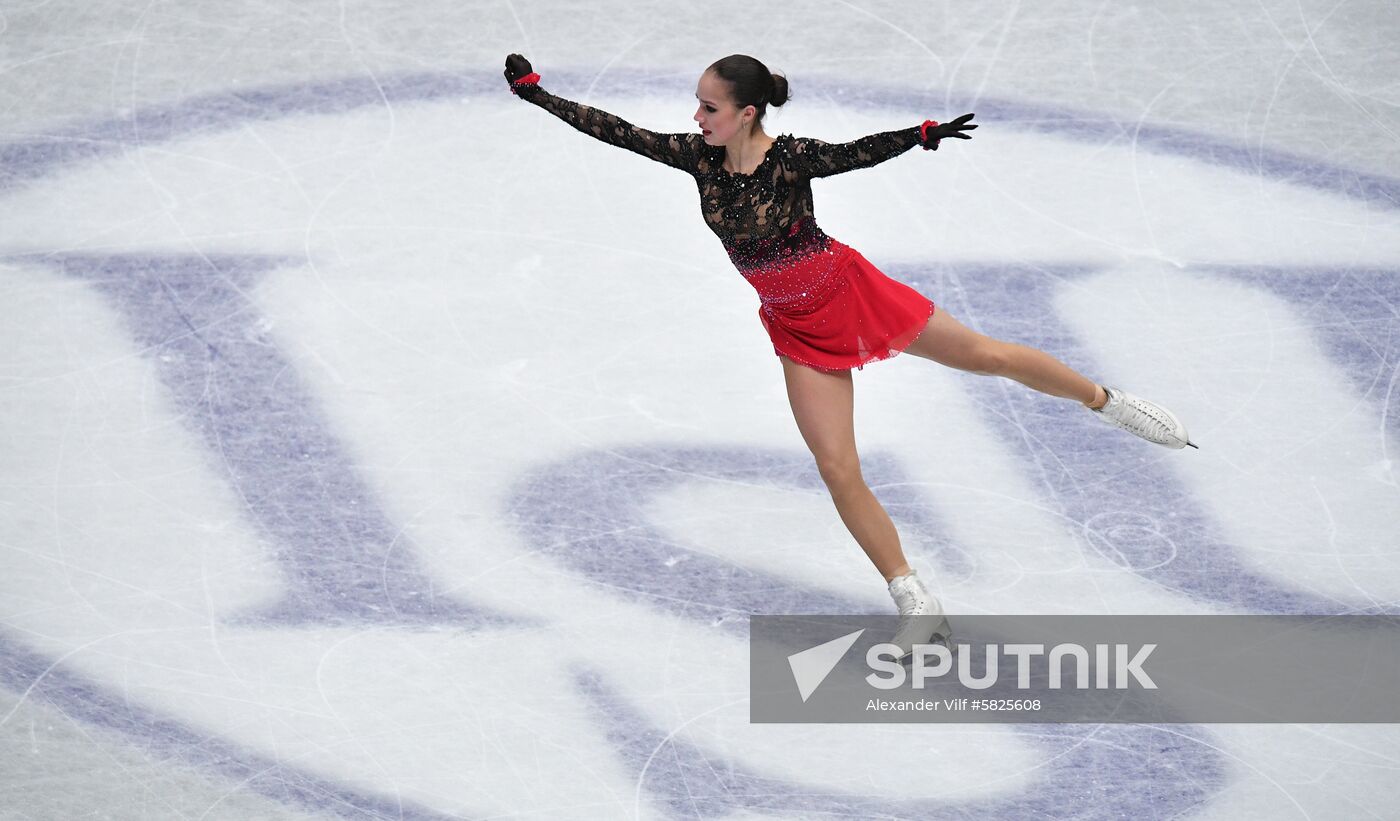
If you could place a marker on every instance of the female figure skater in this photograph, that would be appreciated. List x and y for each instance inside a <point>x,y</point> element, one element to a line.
<point>825,307</point>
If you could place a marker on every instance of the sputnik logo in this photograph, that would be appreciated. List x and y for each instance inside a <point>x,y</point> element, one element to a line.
<point>811,666</point>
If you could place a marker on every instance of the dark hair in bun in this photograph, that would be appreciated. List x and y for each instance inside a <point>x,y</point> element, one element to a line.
<point>751,83</point>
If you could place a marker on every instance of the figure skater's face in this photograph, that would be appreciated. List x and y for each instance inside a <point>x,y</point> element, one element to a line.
<point>720,120</point>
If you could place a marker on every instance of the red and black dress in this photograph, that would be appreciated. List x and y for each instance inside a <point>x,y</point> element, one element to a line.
<point>822,303</point>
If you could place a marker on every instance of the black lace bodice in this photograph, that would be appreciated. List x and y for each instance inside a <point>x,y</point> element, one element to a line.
<point>760,217</point>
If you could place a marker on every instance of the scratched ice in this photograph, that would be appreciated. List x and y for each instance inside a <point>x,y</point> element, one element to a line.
<point>377,446</point>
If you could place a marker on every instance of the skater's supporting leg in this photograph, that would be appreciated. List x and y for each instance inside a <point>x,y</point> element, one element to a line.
<point>949,342</point>
<point>824,405</point>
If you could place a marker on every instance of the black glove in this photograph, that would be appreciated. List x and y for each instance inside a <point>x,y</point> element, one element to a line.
<point>954,129</point>
<point>517,66</point>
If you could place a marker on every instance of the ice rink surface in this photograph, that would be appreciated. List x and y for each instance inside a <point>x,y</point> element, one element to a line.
<point>377,446</point>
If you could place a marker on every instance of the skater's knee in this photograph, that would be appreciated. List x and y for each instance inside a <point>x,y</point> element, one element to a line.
<point>839,470</point>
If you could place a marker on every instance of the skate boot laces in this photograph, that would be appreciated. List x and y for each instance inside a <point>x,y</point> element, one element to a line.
<point>1142,418</point>
<point>921,615</point>
<point>912,598</point>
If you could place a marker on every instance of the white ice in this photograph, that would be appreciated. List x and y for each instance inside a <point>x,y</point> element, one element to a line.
<point>446,301</point>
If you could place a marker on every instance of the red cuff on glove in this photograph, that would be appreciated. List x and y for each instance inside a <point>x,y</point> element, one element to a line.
<point>923,133</point>
<point>533,78</point>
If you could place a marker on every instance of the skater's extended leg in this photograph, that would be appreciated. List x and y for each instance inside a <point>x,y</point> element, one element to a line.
<point>948,342</point>
<point>824,405</point>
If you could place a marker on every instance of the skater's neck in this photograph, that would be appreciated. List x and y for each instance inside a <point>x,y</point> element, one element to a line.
<point>745,154</point>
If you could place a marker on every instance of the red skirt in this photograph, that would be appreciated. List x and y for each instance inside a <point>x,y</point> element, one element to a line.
<point>834,311</point>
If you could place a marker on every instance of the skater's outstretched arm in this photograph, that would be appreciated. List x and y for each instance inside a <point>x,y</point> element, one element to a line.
<point>814,158</point>
<point>676,150</point>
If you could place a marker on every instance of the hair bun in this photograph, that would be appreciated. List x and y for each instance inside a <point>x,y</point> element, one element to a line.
<point>780,90</point>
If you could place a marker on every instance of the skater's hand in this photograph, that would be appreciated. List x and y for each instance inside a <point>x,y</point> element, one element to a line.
<point>954,129</point>
<point>517,66</point>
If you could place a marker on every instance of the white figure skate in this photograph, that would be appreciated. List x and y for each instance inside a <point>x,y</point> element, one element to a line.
<point>1143,418</point>
<point>921,619</point>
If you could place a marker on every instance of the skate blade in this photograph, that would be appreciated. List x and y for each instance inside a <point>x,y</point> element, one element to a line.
<point>944,631</point>
<point>942,634</point>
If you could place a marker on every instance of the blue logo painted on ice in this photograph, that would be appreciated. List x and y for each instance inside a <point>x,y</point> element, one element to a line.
<point>319,567</point>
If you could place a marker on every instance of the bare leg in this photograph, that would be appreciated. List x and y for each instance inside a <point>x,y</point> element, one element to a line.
<point>824,405</point>
<point>949,342</point>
